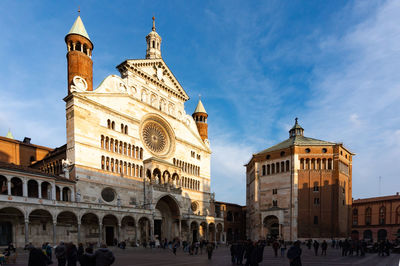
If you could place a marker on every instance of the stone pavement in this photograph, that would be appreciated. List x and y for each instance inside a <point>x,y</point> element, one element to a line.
<point>221,257</point>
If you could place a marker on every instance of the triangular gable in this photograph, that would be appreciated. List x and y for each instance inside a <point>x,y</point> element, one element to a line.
<point>148,68</point>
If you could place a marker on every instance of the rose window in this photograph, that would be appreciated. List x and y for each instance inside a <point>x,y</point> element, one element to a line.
<point>154,137</point>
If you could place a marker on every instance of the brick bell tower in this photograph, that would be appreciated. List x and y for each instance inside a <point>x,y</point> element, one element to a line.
<point>200,116</point>
<point>79,58</point>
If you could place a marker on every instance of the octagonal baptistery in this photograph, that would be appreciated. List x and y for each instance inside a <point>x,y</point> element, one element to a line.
<point>130,144</point>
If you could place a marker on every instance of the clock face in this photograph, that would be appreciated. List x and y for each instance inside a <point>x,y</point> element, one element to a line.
<point>160,74</point>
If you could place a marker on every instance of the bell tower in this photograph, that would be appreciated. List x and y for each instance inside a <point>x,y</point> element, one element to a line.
<point>200,117</point>
<point>153,41</point>
<point>79,58</point>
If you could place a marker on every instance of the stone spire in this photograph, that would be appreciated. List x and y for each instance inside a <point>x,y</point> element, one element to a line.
<point>9,134</point>
<point>200,117</point>
<point>296,130</point>
<point>153,41</point>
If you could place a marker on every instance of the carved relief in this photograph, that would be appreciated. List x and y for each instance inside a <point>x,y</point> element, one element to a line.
<point>79,84</point>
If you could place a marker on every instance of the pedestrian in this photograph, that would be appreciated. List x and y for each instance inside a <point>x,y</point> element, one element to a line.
<point>275,246</point>
<point>174,247</point>
<point>260,251</point>
<point>37,257</point>
<point>309,243</point>
<point>283,248</point>
<point>61,254</point>
<point>239,253</point>
<point>233,252</point>
<point>294,254</point>
<point>209,248</point>
<point>248,252</point>
<point>324,247</point>
<point>104,256</point>
<point>345,246</point>
<point>81,251</point>
<point>88,258</point>
<point>49,251</point>
<point>316,247</point>
<point>72,254</point>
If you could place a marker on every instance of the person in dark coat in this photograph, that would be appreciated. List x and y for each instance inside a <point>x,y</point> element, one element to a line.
<point>61,254</point>
<point>81,250</point>
<point>316,247</point>
<point>239,253</point>
<point>37,258</point>
<point>324,247</point>
<point>88,258</point>
<point>104,256</point>
<point>233,250</point>
<point>275,246</point>
<point>210,249</point>
<point>72,255</point>
<point>294,254</point>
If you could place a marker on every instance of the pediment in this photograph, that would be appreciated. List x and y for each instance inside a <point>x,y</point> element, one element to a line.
<point>114,84</point>
<point>157,72</point>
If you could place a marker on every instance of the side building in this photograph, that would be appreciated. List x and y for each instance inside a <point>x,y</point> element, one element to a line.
<point>299,188</point>
<point>234,220</point>
<point>375,219</point>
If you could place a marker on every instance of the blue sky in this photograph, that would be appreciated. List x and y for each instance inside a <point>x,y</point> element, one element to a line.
<point>257,65</point>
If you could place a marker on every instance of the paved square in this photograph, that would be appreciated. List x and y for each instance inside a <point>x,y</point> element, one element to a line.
<point>221,257</point>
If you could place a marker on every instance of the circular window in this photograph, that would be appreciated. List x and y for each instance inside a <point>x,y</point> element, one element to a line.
<point>282,153</point>
<point>268,156</point>
<point>194,206</point>
<point>308,150</point>
<point>324,150</point>
<point>156,136</point>
<point>108,194</point>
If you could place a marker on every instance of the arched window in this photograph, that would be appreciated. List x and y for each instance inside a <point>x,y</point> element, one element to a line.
<point>323,165</point>
<point>141,153</point>
<point>316,187</point>
<point>313,164</point>
<point>125,148</point>
<point>301,163</point>
<point>107,144</point>
<point>282,167</point>
<point>129,150</point>
<point>368,216</point>
<point>85,50</point>
<point>318,166</point>
<point>122,128</point>
<point>102,141</point>
<point>330,164</point>
<point>113,125</point>
<point>126,130</point>
<point>307,166</point>
<point>112,165</point>
<point>287,166</point>
<point>108,123</point>
<point>102,162</point>
<point>154,44</point>
<point>263,170</point>
<point>268,169</point>
<point>272,169</point>
<point>78,47</point>
<point>141,171</point>
<point>355,216</point>
<point>277,168</point>
<point>382,215</point>
<point>108,164</point>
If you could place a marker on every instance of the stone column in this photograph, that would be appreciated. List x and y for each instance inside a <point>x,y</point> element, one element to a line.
<point>40,189</point>
<point>25,188</point>
<point>79,232</point>
<point>53,191</point>
<point>72,195</point>
<point>152,229</point>
<point>26,231</point>
<point>100,233</point>
<point>8,187</point>
<point>119,232</point>
<point>61,193</point>
<point>135,233</point>
<point>54,232</point>
<point>180,229</point>
<point>215,234</point>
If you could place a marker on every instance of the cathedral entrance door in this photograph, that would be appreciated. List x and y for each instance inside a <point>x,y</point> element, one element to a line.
<point>5,233</point>
<point>271,224</point>
<point>194,235</point>
<point>109,235</point>
<point>157,229</point>
<point>169,211</point>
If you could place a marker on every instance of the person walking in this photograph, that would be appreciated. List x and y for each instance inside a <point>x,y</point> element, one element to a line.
<point>209,248</point>
<point>49,251</point>
<point>72,254</point>
<point>61,254</point>
<point>37,257</point>
<point>294,254</point>
<point>104,256</point>
<point>275,246</point>
<point>88,258</point>
<point>316,247</point>
<point>81,251</point>
<point>283,248</point>
<point>324,247</point>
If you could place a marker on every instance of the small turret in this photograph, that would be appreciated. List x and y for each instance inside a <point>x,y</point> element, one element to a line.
<point>79,57</point>
<point>153,41</point>
<point>200,117</point>
<point>296,130</point>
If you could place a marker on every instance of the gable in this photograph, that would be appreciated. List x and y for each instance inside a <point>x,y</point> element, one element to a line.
<point>156,72</point>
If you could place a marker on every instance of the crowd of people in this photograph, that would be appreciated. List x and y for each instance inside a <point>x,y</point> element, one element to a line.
<point>68,254</point>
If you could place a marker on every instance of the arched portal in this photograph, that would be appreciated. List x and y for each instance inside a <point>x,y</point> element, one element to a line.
<point>40,227</point>
<point>211,232</point>
<point>166,223</point>
<point>203,231</point>
<point>194,231</point>
<point>271,227</point>
<point>144,230</point>
<point>110,224</point>
<point>11,226</point>
<point>16,187</point>
<point>367,235</point>
<point>67,227</point>
<point>219,233</point>
<point>128,229</point>
<point>90,228</point>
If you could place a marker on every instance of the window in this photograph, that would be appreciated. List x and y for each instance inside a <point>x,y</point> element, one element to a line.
<point>316,187</point>
<point>229,217</point>
<point>263,170</point>
<point>113,125</point>
<point>368,216</point>
<point>282,153</point>
<point>268,169</point>
<point>287,166</point>
<point>316,201</point>
<point>308,150</point>
<point>108,194</point>
<point>274,191</point>
<point>275,203</point>
<point>324,150</point>
<point>268,156</point>
<point>315,219</point>
<point>109,123</point>
<point>382,215</point>
<point>355,216</point>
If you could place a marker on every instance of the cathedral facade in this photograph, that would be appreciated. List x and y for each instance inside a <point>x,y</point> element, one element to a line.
<point>298,189</point>
<point>135,166</point>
